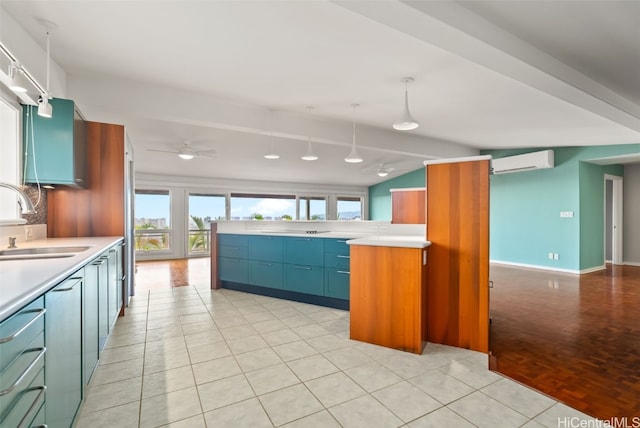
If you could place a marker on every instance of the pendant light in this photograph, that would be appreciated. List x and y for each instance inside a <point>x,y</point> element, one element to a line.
<point>309,155</point>
<point>406,123</point>
<point>271,154</point>
<point>44,108</point>
<point>354,157</point>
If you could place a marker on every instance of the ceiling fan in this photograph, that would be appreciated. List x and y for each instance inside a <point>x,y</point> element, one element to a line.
<point>187,151</point>
<point>380,168</point>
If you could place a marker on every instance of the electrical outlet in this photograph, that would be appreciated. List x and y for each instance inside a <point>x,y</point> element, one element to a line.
<point>28,233</point>
<point>555,256</point>
<point>550,256</point>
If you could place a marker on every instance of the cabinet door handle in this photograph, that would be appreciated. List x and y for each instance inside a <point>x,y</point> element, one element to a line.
<point>11,387</point>
<point>343,257</point>
<point>68,288</point>
<point>302,239</point>
<point>302,267</point>
<point>344,272</point>
<point>33,407</point>
<point>40,312</point>
<point>99,262</point>
<point>341,241</point>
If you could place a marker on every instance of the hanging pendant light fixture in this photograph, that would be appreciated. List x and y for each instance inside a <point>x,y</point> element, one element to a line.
<point>309,155</point>
<point>354,157</point>
<point>44,108</point>
<point>407,122</point>
<point>271,154</point>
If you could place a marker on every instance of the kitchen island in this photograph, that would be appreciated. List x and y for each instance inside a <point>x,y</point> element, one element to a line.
<point>388,291</point>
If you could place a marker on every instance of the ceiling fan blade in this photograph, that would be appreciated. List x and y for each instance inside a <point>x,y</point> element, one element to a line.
<point>162,151</point>
<point>206,153</point>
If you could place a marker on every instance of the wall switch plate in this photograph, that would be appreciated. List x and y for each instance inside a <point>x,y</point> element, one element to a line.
<point>550,256</point>
<point>555,256</point>
<point>28,233</point>
<point>566,214</point>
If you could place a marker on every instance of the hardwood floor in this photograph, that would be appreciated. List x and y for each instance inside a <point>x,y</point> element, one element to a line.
<point>159,274</point>
<point>575,338</point>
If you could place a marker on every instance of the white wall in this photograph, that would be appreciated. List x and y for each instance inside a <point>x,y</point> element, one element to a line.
<point>631,226</point>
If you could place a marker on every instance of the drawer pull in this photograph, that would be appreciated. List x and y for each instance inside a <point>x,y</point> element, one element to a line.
<point>342,241</point>
<point>344,272</point>
<point>302,267</point>
<point>41,351</point>
<point>69,288</point>
<point>302,239</point>
<point>34,406</point>
<point>343,257</point>
<point>99,262</point>
<point>40,312</point>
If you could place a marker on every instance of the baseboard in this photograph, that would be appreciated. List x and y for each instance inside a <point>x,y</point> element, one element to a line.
<point>548,268</point>
<point>631,263</point>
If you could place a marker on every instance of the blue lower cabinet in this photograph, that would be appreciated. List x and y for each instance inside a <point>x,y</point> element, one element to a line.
<point>304,251</point>
<point>266,248</point>
<point>265,274</point>
<point>337,283</point>
<point>304,279</point>
<point>233,270</point>
<point>337,261</point>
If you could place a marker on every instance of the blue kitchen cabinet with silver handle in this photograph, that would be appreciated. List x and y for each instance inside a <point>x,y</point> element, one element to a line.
<point>63,359</point>
<point>22,361</point>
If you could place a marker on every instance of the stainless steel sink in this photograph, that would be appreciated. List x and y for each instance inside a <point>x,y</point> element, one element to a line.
<point>37,253</point>
<point>42,250</point>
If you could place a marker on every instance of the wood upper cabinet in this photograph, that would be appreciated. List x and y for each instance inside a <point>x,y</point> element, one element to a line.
<point>98,210</point>
<point>408,206</point>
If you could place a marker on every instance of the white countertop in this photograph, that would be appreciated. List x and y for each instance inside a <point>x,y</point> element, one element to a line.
<point>22,281</point>
<point>404,241</point>
<point>301,233</point>
<point>354,238</point>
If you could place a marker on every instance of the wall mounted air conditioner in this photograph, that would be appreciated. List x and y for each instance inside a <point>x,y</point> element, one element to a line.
<point>525,162</point>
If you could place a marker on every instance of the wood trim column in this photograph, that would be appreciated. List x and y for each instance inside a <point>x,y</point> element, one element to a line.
<point>457,207</point>
<point>213,244</point>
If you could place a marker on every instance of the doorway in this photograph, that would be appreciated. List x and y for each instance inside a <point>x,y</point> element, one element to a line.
<point>613,219</point>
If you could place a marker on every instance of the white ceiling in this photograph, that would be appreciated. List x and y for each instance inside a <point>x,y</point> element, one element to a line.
<point>237,77</point>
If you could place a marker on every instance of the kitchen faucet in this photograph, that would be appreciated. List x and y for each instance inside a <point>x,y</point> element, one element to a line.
<point>25,206</point>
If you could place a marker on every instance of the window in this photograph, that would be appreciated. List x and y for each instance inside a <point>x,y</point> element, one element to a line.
<point>153,221</point>
<point>312,208</point>
<point>9,161</point>
<point>262,207</point>
<point>349,208</point>
<point>203,209</point>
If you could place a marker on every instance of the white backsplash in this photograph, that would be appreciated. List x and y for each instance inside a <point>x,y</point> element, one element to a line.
<point>22,233</point>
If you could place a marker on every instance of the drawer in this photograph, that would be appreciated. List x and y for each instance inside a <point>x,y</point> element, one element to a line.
<point>232,240</point>
<point>304,251</point>
<point>265,274</point>
<point>233,270</point>
<point>338,246</point>
<point>336,283</point>
<point>266,248</point>
<point>19,331</point>
<point>26,408</point>
<point>304,279</point>
<point>337,261</point>
<point>233,251</point>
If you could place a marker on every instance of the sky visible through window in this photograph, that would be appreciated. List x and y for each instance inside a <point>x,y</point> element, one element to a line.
<point>158,206</point>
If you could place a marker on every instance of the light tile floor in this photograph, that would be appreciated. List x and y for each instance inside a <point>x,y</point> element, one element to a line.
<point>193,357</point>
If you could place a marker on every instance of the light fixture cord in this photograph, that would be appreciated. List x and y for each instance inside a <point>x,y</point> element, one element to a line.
<point>354,126</point>
<point>48,61</point>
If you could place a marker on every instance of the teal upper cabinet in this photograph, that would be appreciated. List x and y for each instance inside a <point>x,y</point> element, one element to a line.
<point>55,149</point>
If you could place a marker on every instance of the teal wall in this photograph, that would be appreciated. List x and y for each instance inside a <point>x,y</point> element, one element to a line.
<point>380,196</point>
<point>525,209</point>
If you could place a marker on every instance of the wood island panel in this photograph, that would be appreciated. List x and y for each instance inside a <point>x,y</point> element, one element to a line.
<point>457,207</point>
<point>388,297</point>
